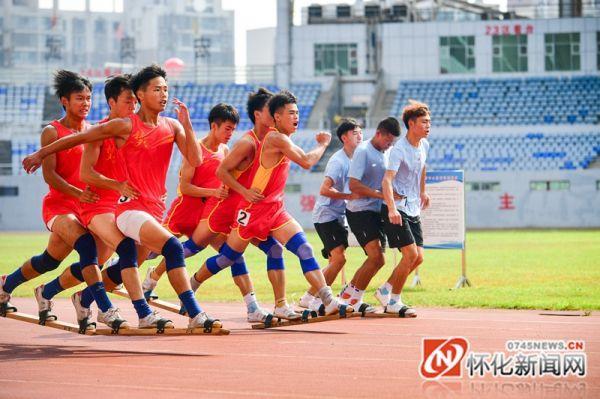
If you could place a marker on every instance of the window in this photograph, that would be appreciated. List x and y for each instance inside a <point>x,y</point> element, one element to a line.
<point>598,50</point>
<point>510,53</point>
<point>482,186</point>
<point>457,54</point>
<point>550,185</point>
<point>562,51</point>
<point>597,185</point>
<point>336,58</point>
<point>25,40</point>
<point>9,191</point>
<point>100,26</point>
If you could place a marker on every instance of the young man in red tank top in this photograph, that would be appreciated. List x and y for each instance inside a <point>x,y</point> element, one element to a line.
<point>101,168</point>
<point>264,214</point>
<point>62,206</point>
<point>145,141</point>
<point>219,215</point>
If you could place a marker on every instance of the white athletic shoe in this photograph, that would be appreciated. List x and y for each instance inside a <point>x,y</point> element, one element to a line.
<point>401,309</point>
<point>5,297</point>
<point>334,307</point>
<point>153,320</point>
<point>258,316</point>
<point>286,312</point>
<point>306,299</point>
<point>44,305</point>
<point>383,299</point>
<point>315,304</point>
<point>200,321</point>
<point>112,318</point>
<point>82,313</point>
<point>149,284</point>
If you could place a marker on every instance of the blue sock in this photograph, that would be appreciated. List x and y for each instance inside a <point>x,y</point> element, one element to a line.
<point>141,308</point>
<point>51,289</point>
<point>99,293</point>
<point>87,298</point>
<point>13,280</point>
<point>190,304</point>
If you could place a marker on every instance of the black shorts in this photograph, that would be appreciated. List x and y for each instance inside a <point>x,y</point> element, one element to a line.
<point>366,226</point>
<point>332,235</point>
<point>400,236</point>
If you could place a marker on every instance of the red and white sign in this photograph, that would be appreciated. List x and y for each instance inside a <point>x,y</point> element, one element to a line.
<point>506,29</point>
<point>442,357</point>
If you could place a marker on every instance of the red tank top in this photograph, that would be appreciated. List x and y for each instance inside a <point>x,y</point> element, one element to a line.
<point>269,181</point>
<point>205,175</point>
<point>109,165</point>
<point>244,177</point>
<point>68,162</point>
<point>146,156</point>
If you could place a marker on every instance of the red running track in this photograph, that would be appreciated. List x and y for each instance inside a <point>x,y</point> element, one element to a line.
<point>372,358</point>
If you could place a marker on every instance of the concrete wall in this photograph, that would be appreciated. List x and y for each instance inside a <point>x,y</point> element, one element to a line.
<point>578,207</point>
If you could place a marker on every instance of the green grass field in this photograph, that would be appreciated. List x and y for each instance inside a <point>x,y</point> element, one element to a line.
<point>557,270</point>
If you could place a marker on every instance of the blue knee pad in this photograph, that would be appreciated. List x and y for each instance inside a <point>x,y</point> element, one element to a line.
<point>75,269</point>
<point>114,273</point>
<point>86,248</point>
<point>225,258</point>
<point>299,246</point>
<point>274,251</point>
<point>44,263</point>
<point>173,253</point>
<point>239,267</point>
<point>127,253</point>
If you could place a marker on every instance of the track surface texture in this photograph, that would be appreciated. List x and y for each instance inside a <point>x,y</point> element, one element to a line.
<point>352,358</point>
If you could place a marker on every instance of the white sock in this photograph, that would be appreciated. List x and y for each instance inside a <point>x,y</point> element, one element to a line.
<point>358,294</point>
<point>394,299</point>
<point>251,304</point>
<point>194,283</point>
<point>326,295</point>
<point>385,288</point>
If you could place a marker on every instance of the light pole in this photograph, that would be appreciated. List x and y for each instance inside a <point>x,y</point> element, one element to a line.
<point>202,51</point>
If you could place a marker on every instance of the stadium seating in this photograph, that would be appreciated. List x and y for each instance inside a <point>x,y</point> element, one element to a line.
<point>201,98</point>
<point>483,152</point>
<point>21,104</point>
<point>528,151</point>
<point>502,102</point>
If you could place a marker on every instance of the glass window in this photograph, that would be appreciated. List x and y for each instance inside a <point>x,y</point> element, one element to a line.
<point>562,51</point>
<point>482,186</point>
<point>550,185</point>
<point>598,50</point>
<point>25,40</point>
<point>457,54</point>
<point>509,53</point>
<point>332,58</point>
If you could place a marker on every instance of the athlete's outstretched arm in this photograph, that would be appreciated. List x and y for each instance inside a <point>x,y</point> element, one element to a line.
<point>90,175</point>
<point>184,135</point>
<point>305,159</point>
<point>53,179</point>
<point>241,151</point>
<point>115,127</point>
<point>388,197</point>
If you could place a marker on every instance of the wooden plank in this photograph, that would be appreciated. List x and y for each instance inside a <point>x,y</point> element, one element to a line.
<point>61,325</point>
<point>107,331</point>
<point>284,323</point>
<point>168,306</point>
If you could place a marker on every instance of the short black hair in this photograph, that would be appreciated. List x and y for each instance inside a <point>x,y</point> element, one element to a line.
<point>67,82</point>
<point>114,86</point>
<point>256,101</point>
<point>280,100</point>
<point>223,112</point>
<point>346,125</point>
<point>143,76</point>
<point>389,125</point>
